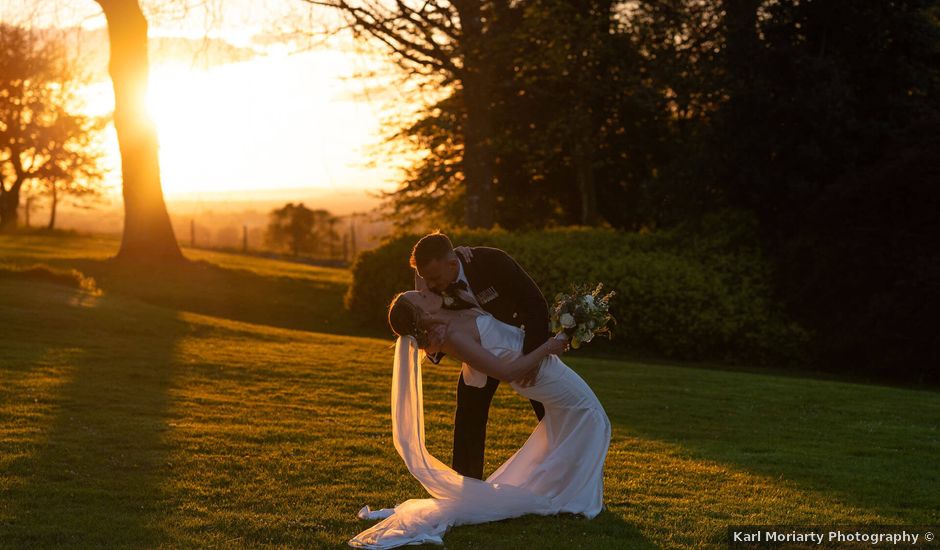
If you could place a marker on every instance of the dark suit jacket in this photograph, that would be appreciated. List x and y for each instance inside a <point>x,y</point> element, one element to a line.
<point>507,292</point>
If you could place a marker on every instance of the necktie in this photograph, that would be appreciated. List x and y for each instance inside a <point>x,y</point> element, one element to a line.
<point>457,285</point>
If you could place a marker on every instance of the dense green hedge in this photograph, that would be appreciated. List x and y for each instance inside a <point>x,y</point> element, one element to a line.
<point>696,292</point>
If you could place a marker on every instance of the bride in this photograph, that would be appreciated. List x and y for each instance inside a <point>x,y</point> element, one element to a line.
<point>558,469</point>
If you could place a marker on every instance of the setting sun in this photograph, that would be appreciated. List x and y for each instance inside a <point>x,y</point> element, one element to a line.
<point>259,118</point>
<point>273,122</point>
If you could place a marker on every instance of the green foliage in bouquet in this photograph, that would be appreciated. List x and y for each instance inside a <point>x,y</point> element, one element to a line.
<point>582,313</point>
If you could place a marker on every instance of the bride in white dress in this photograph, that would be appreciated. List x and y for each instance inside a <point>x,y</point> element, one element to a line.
<point>558,469</point>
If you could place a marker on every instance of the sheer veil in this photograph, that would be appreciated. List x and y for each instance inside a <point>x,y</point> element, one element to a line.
<point>408,423</point>
<point>457,499</point>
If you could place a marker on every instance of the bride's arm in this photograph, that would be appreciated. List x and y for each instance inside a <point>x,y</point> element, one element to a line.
<point>469,351</point>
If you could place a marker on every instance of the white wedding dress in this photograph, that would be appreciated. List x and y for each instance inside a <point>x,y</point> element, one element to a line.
<point>558,469</point>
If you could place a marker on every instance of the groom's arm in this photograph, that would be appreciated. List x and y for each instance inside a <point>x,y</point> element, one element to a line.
<point>531,302</point>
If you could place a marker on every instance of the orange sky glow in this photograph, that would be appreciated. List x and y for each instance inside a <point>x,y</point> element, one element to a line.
<point>282,119</point>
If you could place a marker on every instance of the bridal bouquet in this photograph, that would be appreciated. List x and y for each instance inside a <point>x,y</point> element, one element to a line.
<point>582,314</point>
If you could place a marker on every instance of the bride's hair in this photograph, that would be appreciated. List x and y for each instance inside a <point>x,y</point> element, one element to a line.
<point>404,317</point>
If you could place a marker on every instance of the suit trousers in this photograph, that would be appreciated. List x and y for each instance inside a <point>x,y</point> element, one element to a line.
<point>473,409</point>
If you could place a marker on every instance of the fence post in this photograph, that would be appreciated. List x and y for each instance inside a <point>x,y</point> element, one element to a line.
<point>352,237</point>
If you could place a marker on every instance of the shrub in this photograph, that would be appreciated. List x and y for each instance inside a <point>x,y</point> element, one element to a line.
<point>698,292</point>
<point>44,274</point>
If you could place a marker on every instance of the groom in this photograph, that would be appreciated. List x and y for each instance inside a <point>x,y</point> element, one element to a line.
<point>493,281</point>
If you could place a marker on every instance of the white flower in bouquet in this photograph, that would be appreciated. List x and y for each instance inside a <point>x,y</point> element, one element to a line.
<point>582,314</point>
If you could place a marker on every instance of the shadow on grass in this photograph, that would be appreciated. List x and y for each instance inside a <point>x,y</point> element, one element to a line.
<point>564,531</point>
<point>92,474</point>
<point>237,294</point>
<point>865,445</point>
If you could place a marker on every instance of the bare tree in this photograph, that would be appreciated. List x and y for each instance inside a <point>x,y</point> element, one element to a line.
<point>448,43</point>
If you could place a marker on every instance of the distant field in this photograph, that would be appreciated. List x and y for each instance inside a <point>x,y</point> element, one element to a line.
<point>245,288</point>
<point>234,405</point>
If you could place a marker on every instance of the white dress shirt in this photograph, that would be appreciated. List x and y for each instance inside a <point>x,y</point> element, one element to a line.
<point>471,377</point>
<point>468,294</point>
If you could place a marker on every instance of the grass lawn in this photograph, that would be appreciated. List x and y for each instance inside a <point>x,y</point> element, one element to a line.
<point>233,404</point>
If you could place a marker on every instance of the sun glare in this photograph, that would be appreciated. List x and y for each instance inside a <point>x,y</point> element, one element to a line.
<point>273,122</point>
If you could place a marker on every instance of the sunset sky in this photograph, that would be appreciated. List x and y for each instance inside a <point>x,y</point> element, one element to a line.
<point>279,120</point>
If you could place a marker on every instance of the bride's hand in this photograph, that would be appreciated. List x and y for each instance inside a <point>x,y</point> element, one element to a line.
<point>557,346</point>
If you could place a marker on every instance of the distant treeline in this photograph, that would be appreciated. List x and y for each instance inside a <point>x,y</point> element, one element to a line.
<point>292,230</point>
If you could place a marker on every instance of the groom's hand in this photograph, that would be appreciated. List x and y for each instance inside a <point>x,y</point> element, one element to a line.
<point>529,378</point>
<point>465,252</point>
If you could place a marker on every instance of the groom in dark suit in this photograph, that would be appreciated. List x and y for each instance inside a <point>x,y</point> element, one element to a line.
<point>493,281</point>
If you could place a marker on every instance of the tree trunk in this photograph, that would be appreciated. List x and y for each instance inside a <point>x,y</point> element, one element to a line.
<point>591,43</point>
<point>478,161</point>
<point>9,203</point>
<point>742,47</point>
<point>148,234</point>
<point>478,167</point>
<point>52,208</point>
<point>9,207</point>
<point>587,188</point>
<point>741,31</point>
